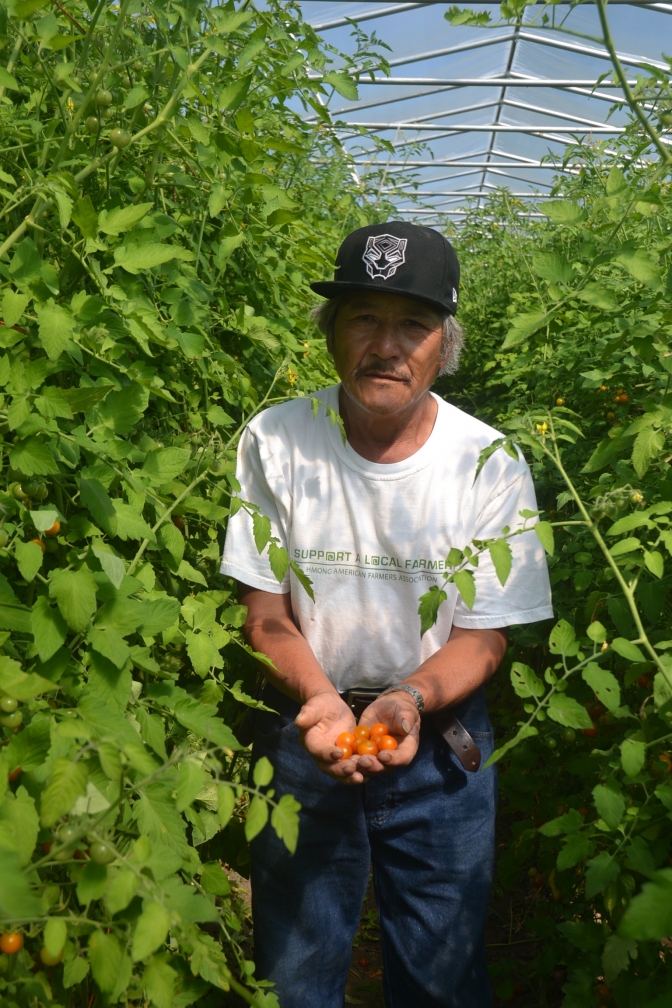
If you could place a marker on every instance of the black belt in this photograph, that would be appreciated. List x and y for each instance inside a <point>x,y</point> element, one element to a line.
<point>445,722</point>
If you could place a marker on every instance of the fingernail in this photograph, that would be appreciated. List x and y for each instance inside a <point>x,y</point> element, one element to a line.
<point>405,725</point>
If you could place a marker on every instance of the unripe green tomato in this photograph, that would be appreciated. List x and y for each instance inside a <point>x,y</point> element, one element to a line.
<point>103,98</point>
<point>216,467</point>
<point>92,123</point>
<point>63,855</point>
<point>611,509</point>
<point>51,546</point>
<point>8,704</point>
<point>39,70</point>
<point>11,720</point>
<point>568,734</point>
<point>41,492</point>
<point>4,538</point>
<point>126,81</point>
<point>101,853</point>
<point>666,118</point>
<point>48,959</point>
<point>138,65</point>
<point>67,833</point>
<point>30,488</point>
<point>120,138</point>
<point>19,492</point>
<point>551,742</point>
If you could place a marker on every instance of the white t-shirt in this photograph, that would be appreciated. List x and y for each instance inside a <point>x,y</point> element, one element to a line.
<point>373,537</point>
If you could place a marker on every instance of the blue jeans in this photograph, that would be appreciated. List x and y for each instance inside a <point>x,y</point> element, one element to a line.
<point>428,830</point>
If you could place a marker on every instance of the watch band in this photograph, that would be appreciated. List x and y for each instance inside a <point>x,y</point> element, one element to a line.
<point>412,692</point>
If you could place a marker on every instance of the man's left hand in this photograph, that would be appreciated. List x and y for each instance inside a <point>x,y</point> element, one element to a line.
<point>399,712</point>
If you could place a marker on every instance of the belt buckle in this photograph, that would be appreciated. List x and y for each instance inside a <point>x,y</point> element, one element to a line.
<point>359,699</point>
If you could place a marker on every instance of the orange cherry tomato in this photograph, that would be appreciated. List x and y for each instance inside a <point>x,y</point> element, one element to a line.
<point>54,530</point>
<point>590,732</point>
<point>40,544</point>
<point>378,730</point>
<point>11,942</point>
<point>347,751</point>
<point>367,747</point>
<point>386,742</point>
<point>346,739</point>
<point>361,732</point>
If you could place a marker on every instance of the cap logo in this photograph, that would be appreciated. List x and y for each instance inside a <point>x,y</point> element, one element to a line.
<point>454,295</point>
<point>383,255</point>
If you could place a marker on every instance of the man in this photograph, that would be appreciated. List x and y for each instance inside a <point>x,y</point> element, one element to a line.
<point>370,522</point>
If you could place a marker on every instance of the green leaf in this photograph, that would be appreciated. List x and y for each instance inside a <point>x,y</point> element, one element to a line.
<point>105,956</point>
<point>136,96</point>
<point>18,684</point>
<point>564,212</point>
<point>576,848</point>
<point>567,711</point>
<point>131,524</point>
<point>44,519</point>
<point>81,400</point>
<point>654,563</point>
<point>647,444</point>
<point>524,732</point>
<point>525,325</point>
<point>263,772</point>
<point>134,258</point>
<point>159,981</point>
<point>640,266</point>
<point>626,649</point>
<point>568,822</point>
<point>122,886</point>
<point>48,628</point>
<point>172,539</point>
<point>226,800</point>
<point>94,496</point>
<point>85,217</point>
<point>112,564</point>
<point>285,821</point>
<point>29,559</point>
<point>233,95</point>
<point>633,756</point>
<point>597,295</point>
<point>189,573</point>
<point>122,410</point>
<point>165,465</point>
<point>32,457</point>
<point>278,558</point>
<point>597,632</point>
<point>525,682</point>
<point>604,684</point>
<point>66,783</point>
<point>616,182</point>
<point>466,586</point>
<point>215,880</point>
<point>110,644</point>
<point>428,608</point>
<point>545,535</point>
<point>160,614</point>
<point>617,954</point>
<point>227,247</point>
<point>649,916</point>
<point>74,971</point>
<point>605,452</point>
<point>16,899</point>
<point>75,594</point>
<point>92,883</point>
<point>610,805</point>
<point>257,817</point>
<point>13,305</point>
<point>157,816</point>
<point>19,824</point>
<point>342,83</point>
<point>191,778</point>
<point>303,579</point>
<point>600,871</point>
<point>151,930</point>
<point>562,639</point>
<point>262,531</point>
<point>500,553</point>
<point>553,267</point>
<point>6,78</point>
<point>55,327</point>
<point>625,546</point>
<point>639,856</point>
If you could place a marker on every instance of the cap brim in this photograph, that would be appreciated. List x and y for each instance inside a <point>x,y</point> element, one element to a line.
<point>332,288</point>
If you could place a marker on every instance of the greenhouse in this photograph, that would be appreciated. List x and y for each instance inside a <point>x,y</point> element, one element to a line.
<point>335,396</point>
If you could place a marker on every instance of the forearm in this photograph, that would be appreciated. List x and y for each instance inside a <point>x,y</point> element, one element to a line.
<point>457,669</point>
<point>270,629</point>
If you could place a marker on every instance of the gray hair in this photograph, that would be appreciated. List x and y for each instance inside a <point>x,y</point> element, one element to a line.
<point>452,339</point>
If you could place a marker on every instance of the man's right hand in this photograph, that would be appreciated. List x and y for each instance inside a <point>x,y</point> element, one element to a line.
<point>321,720</point>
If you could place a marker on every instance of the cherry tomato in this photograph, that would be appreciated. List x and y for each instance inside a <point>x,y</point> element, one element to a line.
<point>54,530</point>
<point>67,833</point>
<point>178,522</point>
<point>103,98</point>
<point>559,401</point>
<point>346,738</point>
<point>15,773</point>
<point>40,544</point>
<point>361,732</point>
<point>101,853</point>
<point>364,963</point>
<point>590,732</point>
<point>48,959</point>
<point>378,730</point>
<point>11,720</point>
<point>386,742</point>
<point>347,751</point>
<point>367,747</point>
<point>624,397</point>
<point>642,681</point>
<point>568,734</point>
<point>11,942</point>
<point>8,704</point>
<point>120,138</point>
<point>92,124</point>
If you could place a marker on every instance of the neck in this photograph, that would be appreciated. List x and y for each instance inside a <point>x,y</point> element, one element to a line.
<point>391,437</point>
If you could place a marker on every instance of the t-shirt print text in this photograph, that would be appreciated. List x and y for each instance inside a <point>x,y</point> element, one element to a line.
<point>349,562</point>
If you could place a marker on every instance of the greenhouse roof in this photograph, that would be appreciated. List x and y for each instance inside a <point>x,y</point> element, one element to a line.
<point>489,105</point>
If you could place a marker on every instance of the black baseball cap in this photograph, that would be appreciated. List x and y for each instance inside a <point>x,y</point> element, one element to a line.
<point>400,258</point>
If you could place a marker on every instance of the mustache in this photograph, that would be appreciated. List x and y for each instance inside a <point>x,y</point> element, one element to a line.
<point>383,371</point>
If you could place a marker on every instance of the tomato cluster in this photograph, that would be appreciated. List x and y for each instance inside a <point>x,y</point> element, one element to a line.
<point>366,741</point>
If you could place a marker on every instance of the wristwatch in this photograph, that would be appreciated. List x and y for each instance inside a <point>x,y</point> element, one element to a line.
<point>411,690</point>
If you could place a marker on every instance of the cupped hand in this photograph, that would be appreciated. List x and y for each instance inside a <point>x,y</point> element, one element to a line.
<point>399,712</point>
<point>320,721</point>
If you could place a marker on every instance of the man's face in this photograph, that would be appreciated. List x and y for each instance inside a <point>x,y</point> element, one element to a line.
<point>387,349</point>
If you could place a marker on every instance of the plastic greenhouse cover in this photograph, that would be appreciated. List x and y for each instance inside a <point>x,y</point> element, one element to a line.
<point>477,136</point>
